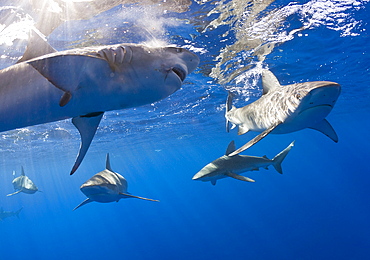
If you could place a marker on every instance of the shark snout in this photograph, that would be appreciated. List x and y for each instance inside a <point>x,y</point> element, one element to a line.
<point>324,93</point>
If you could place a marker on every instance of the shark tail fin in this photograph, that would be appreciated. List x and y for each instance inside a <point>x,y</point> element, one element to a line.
<point>278,159</point>
<point>18,211</point>
<point>83,203</point>
<point>229,103</point>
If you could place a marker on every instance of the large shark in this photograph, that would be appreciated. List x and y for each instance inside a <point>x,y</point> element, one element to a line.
<point>106,186</point>
<point>285,109</point>
<point>84,83</point>
<point>231,166</point>
<point>23,184</point>
<point>7,214</point>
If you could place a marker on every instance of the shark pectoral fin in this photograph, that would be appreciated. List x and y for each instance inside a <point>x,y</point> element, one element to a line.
<point>325,127</point>
<point>125,195</point>
<point>239,177</point>
<point>36,47</point>
<point>11,194</point>
<point>83,203</point>
<point>67,71</point>
<point>256,139</point>
<point>242,129</point>
<point>87,126</point>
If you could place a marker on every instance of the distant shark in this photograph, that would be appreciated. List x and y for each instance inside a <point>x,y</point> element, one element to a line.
<point>7,214</point>
<point>46,86</point>
<point>285,109</point>
<point>23,184</point>
<point>106,186</point>
<point>231,166</point>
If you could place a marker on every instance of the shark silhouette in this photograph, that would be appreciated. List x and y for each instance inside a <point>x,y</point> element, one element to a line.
<point>46,86</point>
<point>106,186</point>
<point>285,109</point>
<point>23,184</point>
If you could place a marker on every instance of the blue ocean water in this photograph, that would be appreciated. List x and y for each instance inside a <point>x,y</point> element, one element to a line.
<point>318,209</point>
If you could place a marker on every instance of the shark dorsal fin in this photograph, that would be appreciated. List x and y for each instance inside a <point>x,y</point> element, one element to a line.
<point>22,172</point>
<point>107,163</point>
<point>230,148</point>
<point>37,46</point>
<point>269,81</point>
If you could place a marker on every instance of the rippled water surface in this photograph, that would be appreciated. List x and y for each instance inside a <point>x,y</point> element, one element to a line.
<point>318,209</point>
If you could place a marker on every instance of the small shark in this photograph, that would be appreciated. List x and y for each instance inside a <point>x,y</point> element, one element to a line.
<point>47,86</point>
<point>106,186</point>
<point>285,109</point>
<point>7,214</point>
<point>23,184</point>
<point>231,166</point>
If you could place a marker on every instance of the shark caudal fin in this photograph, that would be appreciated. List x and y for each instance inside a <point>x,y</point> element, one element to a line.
<point>229,103</point>
<point>278,159</point>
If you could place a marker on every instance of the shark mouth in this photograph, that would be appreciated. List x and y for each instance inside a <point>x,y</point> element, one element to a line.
<point>179,72</point>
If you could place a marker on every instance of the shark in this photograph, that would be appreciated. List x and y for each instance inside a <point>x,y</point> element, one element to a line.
<point>46,85</point>
<point>106,186</point>
<point>232,166</point>
<point>7,214</point>
<point>23,184</point>
<point>285,109</point>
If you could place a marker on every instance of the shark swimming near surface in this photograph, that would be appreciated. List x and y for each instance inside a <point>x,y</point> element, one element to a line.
<point>106,186</point>
<point>7,214</point>
<point>23,184</point>
<point>231,166</point>
<point>285,109</point>
<point>47,86</point>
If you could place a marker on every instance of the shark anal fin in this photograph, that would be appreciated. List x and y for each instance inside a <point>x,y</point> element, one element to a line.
<point>325,127</point>
<point>87,126</point>
<point>256,139</point>
<point>83,203</point>
<point>239,177</point>
<point>125,195</point>
<point>11,194</point>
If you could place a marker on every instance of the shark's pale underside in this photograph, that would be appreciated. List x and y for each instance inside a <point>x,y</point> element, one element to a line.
<point>232,166</point>
<point>285,109</point>
<point>106,186</point>
<point>23,184</point>
<point>84,83</point>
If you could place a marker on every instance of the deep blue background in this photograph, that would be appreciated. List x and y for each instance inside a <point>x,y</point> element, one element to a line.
<point>318,209</point>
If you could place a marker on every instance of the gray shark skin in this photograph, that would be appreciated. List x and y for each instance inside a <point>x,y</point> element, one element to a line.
<point>7,214</point>
<point>285,109</point>
<point>23,184</point>
<point>106,186</point>
<point>232,166</point>
<point>84,83</point>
